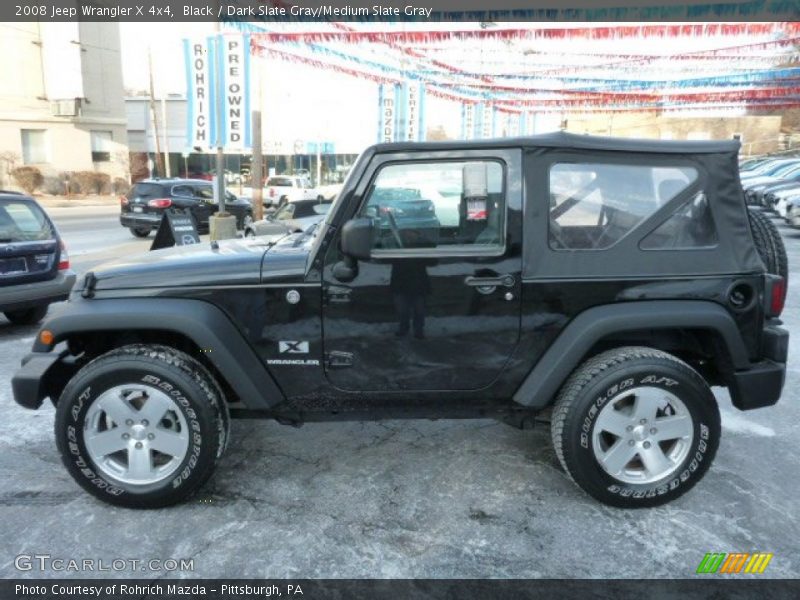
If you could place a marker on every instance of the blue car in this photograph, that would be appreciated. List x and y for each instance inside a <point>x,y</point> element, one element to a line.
<point>34,264</point>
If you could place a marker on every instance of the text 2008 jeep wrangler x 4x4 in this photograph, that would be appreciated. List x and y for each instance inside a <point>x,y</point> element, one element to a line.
<point>612,280</point>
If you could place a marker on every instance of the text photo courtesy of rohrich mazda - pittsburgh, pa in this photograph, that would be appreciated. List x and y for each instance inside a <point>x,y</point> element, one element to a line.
<point>399,301</point>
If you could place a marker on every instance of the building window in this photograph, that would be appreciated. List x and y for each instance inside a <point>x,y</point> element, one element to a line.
<point>101,146</point>
<point>34,146</point>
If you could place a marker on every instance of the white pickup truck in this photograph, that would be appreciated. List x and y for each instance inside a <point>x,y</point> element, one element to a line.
<point>282,188</point>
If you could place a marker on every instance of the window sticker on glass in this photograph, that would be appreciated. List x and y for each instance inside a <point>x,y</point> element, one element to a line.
<point>476,209</point>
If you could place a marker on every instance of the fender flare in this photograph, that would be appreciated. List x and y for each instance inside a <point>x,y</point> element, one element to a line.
<point>202,322</point>
<point>589,327</point>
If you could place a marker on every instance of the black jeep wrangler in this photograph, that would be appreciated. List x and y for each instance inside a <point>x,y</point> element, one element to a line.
<point>609,283</point>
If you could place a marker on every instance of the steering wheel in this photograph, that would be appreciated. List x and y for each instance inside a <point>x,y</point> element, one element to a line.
<point>394,228</point>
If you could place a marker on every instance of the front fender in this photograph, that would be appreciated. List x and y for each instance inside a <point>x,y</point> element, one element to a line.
<point>203,323</point>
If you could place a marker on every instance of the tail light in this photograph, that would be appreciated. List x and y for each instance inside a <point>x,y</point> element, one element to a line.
<point>63,261</point>
<point>123,201</point>
<point>271,192</point>
<point>160,203</point>
<point>776,295</point>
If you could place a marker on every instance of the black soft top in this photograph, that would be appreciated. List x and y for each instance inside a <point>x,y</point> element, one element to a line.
<point>560,139</point>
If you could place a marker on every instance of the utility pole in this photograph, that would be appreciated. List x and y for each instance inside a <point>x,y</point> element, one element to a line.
<point>256,165</point>
<point>154,116</point>
<point>256,168</point>
<point>220,120</point>
<point>166,134</point>
<point>221,224</point>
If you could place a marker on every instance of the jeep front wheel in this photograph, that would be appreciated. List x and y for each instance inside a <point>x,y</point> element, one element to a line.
<point>142,426</point>
<point>635,427</point>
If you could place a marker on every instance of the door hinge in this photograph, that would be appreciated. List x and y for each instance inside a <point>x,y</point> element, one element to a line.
<point>338,360</point>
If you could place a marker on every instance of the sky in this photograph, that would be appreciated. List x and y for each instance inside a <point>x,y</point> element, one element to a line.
<point>303,103</point>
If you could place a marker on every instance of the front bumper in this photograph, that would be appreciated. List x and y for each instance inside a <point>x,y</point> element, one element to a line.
<point>27,295</point>
<point>762,383</point>
<point>793,216</point>
<point>30,384</point>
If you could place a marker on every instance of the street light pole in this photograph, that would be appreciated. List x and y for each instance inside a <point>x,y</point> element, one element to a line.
<point>221,225</point>
<point>220,120</point>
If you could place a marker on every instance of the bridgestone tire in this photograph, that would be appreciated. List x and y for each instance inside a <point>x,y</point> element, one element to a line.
<point>606,376</point>
<point>194,392</point>
<point>769,244</point>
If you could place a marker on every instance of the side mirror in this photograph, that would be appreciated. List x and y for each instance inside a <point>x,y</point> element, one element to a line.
<point>357,236</point>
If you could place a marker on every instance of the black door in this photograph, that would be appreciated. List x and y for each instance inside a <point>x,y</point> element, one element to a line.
<point>437,306</point>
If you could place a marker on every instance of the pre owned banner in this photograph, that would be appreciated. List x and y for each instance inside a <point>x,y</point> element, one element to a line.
<point>235,68</point>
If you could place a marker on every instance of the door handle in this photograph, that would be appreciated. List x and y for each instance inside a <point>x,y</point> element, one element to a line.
<point>486,282</point>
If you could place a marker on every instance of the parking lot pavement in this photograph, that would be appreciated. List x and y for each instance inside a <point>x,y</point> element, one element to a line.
<point>410,499</point>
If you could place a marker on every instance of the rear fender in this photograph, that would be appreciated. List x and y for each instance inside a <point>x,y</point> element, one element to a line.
<point>591,326</point>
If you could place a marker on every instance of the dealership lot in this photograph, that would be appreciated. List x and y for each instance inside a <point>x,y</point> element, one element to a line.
<point>399,498</point>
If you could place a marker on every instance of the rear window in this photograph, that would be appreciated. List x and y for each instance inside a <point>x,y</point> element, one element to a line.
<point>280,181</point>
<point>23,222</point>
<point>594,205</point>
<point>147,190</point>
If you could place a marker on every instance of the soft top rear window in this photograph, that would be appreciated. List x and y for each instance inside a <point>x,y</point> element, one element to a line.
<point>147,190</point>
<point>280,181</point>
<point>23,222</point>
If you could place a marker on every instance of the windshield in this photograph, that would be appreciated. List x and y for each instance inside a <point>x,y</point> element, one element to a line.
<point>23,222</point>
<point>787,169</point>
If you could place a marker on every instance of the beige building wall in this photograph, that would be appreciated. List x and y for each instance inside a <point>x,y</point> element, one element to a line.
<point>759,134</point>
<point>49,62</point>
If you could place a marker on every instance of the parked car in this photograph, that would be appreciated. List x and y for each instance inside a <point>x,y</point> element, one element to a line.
<point>607,283</point>
<point>773,168</point>
<point>142,208</point>
<point>282,188</point>
<point>34,264</point>
<point>756,190</point>
<point>289,217</point>
<point>777,199</point>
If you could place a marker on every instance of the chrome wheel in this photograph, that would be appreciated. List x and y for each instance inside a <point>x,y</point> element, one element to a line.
<point>642,435</point>
<point>136,434</point>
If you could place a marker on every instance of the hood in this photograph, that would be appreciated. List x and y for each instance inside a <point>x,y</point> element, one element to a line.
<point>233,262</point>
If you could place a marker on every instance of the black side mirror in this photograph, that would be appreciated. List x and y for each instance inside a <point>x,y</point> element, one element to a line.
<point>357,237</point>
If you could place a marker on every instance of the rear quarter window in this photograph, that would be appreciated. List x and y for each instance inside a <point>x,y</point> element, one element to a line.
<point>23,222</point>
<point>594,205</point>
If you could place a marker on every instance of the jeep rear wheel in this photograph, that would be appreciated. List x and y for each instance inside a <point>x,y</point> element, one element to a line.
<point>142,426</point>
<point>635,427</point>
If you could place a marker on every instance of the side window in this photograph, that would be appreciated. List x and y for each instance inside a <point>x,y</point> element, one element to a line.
<point>690,226</point>
<point>287,212</point>
<point>594,205</point>
<point>204,192</point>
<point>442,204</point>
<point>184,191</point>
